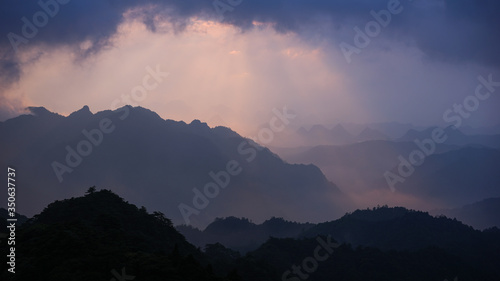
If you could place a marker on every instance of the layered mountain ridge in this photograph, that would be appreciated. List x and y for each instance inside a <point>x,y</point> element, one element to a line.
<point>162,164</point>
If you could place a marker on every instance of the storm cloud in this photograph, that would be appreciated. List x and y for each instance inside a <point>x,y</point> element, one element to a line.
<point>449,31</point>
<point>457,29</point>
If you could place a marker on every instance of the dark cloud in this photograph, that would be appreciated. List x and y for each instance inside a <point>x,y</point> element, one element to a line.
<point>455,21</point>
<point>9,68</point>
<point>464,30</point>
<point>447,30</point>
<point>457,30</point>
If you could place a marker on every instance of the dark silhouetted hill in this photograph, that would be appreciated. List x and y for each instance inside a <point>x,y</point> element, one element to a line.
<point>99,235</point>
<point>394,228</point>
<point>4,214</point>
<point>240,234</point>
<point>406,230</point>
<point>86,238</point>
<point>376,244</point>
<point>292,259</point>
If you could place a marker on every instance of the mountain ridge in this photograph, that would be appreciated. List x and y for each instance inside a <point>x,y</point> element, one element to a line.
<point>147,159</point>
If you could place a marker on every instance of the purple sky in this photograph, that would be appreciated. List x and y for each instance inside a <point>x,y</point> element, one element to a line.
<point>260,55</point>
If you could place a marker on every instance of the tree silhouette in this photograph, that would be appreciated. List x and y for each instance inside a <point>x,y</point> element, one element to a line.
<point>91,190</point>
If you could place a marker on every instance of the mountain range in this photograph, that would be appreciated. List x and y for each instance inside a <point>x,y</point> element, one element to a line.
<point>480,215</point>
<point>191,171</point>
<point>197,173</point>
<point>338,135</point>
<point>229,232</point>
<point>100,236</point>
<point>460,171</point>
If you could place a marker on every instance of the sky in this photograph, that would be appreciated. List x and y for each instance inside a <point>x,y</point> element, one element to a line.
<point>231,62</point>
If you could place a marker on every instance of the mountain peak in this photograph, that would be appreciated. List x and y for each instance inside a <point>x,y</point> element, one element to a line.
<point>318,127</point>
<point>197,124</point>
<point>452,130</point>
<point>302,131</point>
<point>339,128</point>
<point>40,111</point>
<point>223,225</point>
<point>84,112</point>
<point>379,214</point>
<point>371,134</point>
<point>340,131</point>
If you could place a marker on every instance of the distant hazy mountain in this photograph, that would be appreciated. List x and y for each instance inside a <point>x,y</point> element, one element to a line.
<point>458,172</point>
<point>454,137</point>
<point>242,235</point>
<point>4,214</point>
<point>455,178</point>
<point>392,130</point>
<point>319,134</point>
<point>349,133</point>
<point>480,215</point>
<point>369,134</point>
<point>490,130</point>
<point>158,163</point>
<point>338,135</point>
<point>356,166</point>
